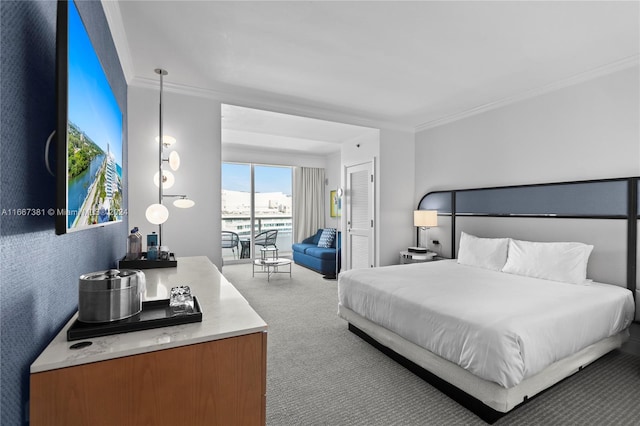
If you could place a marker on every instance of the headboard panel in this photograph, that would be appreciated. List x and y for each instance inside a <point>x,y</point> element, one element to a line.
<point>608,236</point>
<point>605,213</point>
<point>603,199</point>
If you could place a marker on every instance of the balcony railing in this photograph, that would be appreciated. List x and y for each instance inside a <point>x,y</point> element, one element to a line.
<point>241,225</point>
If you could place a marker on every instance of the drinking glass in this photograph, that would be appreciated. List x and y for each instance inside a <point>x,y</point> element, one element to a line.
<point>181,300</point>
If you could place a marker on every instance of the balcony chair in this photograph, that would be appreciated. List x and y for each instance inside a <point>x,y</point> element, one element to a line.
<point>267,239</point>
<point>230,240</point>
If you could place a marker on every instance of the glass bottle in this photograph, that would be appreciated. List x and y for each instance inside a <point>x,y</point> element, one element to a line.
<point>134,245</point>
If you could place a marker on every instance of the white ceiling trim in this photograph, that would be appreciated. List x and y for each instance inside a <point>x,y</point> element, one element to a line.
<point>114,20</point>
<point>271,104</point>
<point>576,79</point>
<point>233,154</point>
<point>253,99</point>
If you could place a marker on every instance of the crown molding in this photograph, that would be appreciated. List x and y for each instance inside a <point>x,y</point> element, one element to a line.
<point>271,102</point>
<point>611,68</point>
<point>114,20</point>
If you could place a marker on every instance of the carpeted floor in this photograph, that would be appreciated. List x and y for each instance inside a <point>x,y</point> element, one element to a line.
<point>319,373</point>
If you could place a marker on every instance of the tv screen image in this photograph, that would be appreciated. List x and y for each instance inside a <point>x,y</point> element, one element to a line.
<point>89,171</point>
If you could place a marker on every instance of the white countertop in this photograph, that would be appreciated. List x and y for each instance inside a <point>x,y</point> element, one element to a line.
<point>225,313</point>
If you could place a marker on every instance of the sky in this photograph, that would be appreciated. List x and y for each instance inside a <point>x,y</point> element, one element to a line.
<point>237,177</point>
<point>91,103</point>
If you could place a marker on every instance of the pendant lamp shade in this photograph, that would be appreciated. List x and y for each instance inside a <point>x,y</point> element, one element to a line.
<point>157,214</point>
<point>167,179</point>
<point>174,161</point>
<point>184,203</point>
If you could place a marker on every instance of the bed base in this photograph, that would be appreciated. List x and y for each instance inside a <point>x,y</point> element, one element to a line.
<point>487,400</point>
<point>474,405</point>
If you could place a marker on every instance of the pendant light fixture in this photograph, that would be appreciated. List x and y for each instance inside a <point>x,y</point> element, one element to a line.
<point>157,213</point>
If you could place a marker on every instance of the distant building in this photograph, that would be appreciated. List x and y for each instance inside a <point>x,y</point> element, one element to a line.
<point>239,203</point>
<point>110,181</point>
<point>272,211</point>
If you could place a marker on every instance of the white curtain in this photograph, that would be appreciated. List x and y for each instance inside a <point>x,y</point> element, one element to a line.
<point>308,201</point>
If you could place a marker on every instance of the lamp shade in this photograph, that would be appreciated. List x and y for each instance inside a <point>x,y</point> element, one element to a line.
<point>174,161</point>
<point>168,179</point>
<point>157,214</point>
<point>184,203</point>
<point>425,218</point>
<point>167,140</point>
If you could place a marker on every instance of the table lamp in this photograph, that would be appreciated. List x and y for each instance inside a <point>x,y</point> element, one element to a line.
<point>423,219</point>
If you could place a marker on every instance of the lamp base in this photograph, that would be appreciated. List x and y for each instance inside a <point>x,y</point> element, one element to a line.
<point>417,249</point>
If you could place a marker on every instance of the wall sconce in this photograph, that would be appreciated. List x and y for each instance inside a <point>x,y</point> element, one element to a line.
<point>424,219</point>
<point>157,213</point>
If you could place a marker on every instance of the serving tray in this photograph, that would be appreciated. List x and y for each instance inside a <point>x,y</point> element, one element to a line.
<point>145,263</point>
<point>154,314</point>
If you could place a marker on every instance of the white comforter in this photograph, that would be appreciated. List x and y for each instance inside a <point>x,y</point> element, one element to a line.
<point>501,327</point>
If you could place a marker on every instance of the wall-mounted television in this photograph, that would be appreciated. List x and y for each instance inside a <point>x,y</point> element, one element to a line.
<point>89,134</point>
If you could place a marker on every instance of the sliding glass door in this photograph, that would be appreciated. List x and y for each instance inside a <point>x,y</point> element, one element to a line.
<point>236,210</point>
<point>255,199</point>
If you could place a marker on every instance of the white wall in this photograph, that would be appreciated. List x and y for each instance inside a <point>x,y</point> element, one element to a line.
<point>396,181</point>
<point>585,131</point>
<point>332,173</point>
<point>195,122</point>
<point>276,158</point>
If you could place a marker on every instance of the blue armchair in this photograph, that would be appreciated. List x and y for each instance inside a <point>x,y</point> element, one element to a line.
<point>320,259</point>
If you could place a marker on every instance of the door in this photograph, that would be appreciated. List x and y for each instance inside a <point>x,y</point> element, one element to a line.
<point>255,199</point>
<point>359,211</point>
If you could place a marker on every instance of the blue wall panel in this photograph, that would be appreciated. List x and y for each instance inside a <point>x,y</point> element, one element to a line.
<point>571,199</point>
<point>440,201</point>
<point>39,270</point>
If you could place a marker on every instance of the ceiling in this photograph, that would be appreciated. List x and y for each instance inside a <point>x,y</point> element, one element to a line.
<point>412,64</point>
<point>265,130</point>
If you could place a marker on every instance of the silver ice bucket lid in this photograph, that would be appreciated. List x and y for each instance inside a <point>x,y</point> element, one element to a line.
<point>112,279</point>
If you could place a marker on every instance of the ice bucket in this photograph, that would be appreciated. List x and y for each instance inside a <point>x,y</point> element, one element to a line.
<point>111,295</point>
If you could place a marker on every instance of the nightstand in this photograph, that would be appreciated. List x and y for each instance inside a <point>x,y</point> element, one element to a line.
<point>412,257</point>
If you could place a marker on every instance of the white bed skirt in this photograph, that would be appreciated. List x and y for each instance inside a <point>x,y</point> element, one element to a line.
<point>489,393</point>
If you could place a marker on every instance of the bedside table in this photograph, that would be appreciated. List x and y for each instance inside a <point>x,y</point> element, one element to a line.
<point>411,257</point>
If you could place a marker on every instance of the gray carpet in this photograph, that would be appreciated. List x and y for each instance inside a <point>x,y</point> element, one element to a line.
<point>319,373</point>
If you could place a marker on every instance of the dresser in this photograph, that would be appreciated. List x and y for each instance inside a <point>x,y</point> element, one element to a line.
<point>206,373</point>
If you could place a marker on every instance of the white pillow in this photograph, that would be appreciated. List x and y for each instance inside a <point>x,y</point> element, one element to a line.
<point>488,253</point>
<point>565,262</point>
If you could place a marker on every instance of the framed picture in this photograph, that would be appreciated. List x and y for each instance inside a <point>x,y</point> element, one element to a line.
<point>335,204</point>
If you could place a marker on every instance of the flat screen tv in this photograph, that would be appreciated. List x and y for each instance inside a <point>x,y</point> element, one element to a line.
<point>88,131</point>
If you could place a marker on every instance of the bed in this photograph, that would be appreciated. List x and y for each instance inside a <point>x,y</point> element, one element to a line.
<point>495,326</point>
<point>505,320</point>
